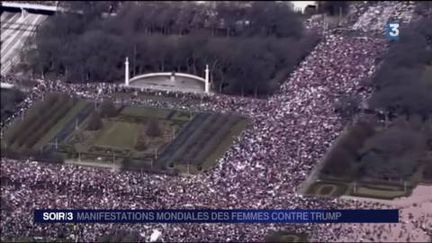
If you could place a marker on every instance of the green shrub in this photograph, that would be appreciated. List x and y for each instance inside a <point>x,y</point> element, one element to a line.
<point>153,129</point>
<point>95,122</point>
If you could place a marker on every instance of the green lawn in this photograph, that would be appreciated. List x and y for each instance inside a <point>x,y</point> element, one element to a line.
<point>183,116</point>
<point>284,236</point>
<point>59,125</point>
<point>363,191</point>
<point>223,146</point>
<point>145,112</point>
<point>119,135</point>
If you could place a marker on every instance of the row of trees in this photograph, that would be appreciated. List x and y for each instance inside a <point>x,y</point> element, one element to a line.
<point>391,154</point>
<point>151,130</point>
<point>401,85</point>
<point>252,18</point>
<point>9,100</point>
<point>249,49</point>
<point>107,109</point>
<point>403,92</point>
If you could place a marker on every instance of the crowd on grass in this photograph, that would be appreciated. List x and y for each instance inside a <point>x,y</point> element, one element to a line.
<point>289,134</point>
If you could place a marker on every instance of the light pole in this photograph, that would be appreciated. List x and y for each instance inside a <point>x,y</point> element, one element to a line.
<point>55,144</point>
<point>76,124</point>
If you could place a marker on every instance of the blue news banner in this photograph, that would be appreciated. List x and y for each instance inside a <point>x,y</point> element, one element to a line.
<point>215,216</point>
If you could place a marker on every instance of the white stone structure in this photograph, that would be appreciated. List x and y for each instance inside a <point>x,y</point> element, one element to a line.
<point>127,71</point>
<point>300,6</point>
<point>159,80</point>
<point>207,81</point>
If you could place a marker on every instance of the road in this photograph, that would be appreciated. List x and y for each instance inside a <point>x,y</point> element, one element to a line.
<point>14,31</point>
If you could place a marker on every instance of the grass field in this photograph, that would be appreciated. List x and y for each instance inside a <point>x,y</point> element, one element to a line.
<point>147,112</point>
<point>285,236</point>
<point>201,142</point>
<point>186,142</point>
<point>367,191</point>
<point>118,134</point>
<point>59,125</point>
<point>220,149</point>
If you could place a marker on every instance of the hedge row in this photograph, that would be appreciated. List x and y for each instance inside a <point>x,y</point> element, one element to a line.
<point>132,164</point>
<point>50,157</point>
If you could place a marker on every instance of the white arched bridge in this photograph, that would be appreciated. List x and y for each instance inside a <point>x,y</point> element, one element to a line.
<point>31,6</point>
<point>6,85</point>
<point>172,81</point>
<point>25,6</point>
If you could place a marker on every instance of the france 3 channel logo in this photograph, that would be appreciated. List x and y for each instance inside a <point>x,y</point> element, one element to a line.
<point>392,31</point>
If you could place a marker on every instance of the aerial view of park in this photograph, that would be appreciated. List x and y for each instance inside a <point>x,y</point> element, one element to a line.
<point>187,108</point>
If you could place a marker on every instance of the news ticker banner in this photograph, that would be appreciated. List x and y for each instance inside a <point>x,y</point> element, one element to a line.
<point>215,216</point>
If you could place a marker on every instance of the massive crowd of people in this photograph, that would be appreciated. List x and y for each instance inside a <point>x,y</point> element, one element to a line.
<point>288,135</point>
<point>377,16</point>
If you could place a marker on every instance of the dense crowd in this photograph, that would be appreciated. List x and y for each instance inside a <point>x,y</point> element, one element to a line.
<point>289,134</point>
<point>378,16</point>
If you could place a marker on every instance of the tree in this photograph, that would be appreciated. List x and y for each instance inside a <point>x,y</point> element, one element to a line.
<point>339,163</point>
<point>427,171</point>
<point>141,144</point>
<point>347,106</point>
<point>400,86</point>
<point>108,109</point>
<point>393,154</point>
<point>91,48</point>
<point>334,7</point>
<point>153,129</point>
<point>95,122</point>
